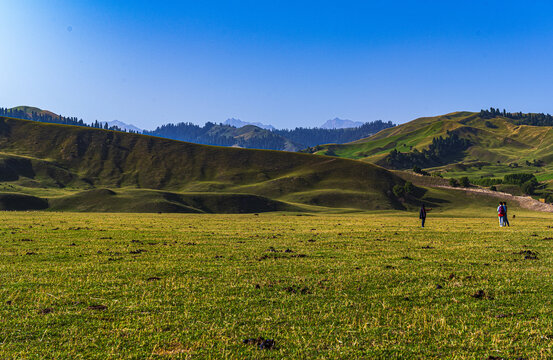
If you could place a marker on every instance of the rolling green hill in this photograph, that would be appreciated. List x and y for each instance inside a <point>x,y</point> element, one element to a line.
<point>29,110</point>
<point>498,146</point>
<point>87,169</point>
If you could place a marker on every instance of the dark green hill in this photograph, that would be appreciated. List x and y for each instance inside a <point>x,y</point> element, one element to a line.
<point>63,163</point>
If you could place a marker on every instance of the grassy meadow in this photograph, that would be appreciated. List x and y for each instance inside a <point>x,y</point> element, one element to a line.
<point>335,286</point>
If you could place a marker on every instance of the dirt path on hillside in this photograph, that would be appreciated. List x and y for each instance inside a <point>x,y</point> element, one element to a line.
<point>525,202</point>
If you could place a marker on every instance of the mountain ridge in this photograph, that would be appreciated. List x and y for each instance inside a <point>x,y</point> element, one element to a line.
<point>239,123</point>
<point>338,123</point>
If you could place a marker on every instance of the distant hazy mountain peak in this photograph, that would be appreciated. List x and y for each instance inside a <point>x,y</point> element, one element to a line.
<point>338,123</point>
<point>239,123</point>
<point>123,125</point>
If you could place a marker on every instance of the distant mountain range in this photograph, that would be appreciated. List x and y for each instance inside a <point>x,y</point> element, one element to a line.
<point>239,123</point>
<point>337,123</point>
<point>234,132</point>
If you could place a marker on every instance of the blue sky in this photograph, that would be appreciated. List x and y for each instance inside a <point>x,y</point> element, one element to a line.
<point>287,63</point>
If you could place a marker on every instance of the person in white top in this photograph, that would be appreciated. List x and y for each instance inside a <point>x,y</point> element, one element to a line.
<point>501,214</point>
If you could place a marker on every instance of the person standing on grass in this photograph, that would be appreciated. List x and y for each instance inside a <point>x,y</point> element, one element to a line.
<point>506,217</point>
<point>501,214</point>
<point>422,214</point>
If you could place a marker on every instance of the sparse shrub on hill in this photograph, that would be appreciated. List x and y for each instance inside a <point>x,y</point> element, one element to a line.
<point>536,163</point>
<point>464,181</point>
<point>453,182</point>
<point>490,125</point>
<point>493,188</point>
<point>529,187</point>
<point>408,188</point>
<point>398,191</point>
<point>418,170</point>
<point>404,191</point>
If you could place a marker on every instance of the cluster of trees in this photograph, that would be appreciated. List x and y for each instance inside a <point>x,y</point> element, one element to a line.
<point>518,179</point>
<point>401,191</point>
<point>439,150</point>
<point>224,135</point>
<point>463,181</point>
<point>519,118</point>
<point>218,134</point>
<point>536,163</point>
<point>54,119</point>
<point>418,170</point>
<point>487,181</point>
<point>527,182</point>
<point>309,137</point>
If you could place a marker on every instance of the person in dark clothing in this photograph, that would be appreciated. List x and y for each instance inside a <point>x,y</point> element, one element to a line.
<point>505,217</point>
<point>422,214</point>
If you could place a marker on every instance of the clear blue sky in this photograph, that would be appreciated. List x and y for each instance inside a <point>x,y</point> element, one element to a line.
<point>287,63</point>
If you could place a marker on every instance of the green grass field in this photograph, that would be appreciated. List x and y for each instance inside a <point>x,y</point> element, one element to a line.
<point>373,285</point>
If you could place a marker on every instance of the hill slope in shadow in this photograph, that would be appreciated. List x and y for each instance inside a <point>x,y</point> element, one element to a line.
<point>67,165</point>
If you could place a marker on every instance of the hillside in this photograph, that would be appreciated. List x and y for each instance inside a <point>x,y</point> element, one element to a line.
<point>498,145</point>
<point>79,168</point>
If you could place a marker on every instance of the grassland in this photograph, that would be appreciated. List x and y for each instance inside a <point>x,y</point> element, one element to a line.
<point>373,285</point>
